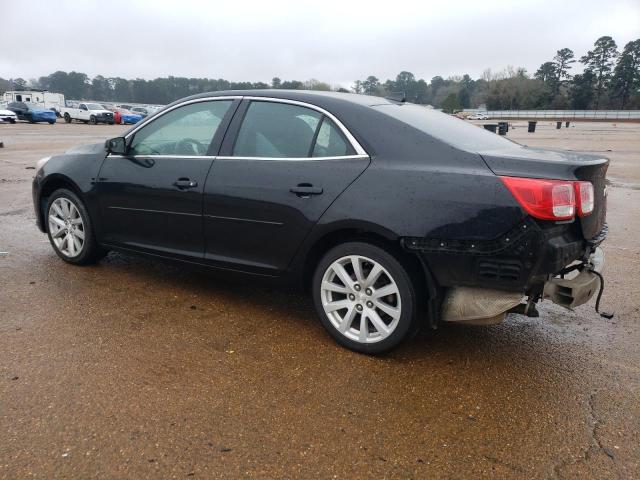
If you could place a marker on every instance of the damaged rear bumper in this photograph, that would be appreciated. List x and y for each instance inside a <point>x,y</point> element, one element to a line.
<point>482,306</point>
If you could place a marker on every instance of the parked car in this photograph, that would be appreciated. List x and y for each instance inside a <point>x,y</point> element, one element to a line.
<point>32,112</point>
<point>122,116</point>
<point>393,215</point>
<point>92,113</point>
<point>479,116</point>
<point>127,117</point>
<point>8,116</point>
<point>143,111</point>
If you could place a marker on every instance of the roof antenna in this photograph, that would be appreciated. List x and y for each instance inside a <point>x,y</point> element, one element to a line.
<point>396,97</point>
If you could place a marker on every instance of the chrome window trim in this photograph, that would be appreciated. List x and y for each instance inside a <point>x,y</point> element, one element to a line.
<point>293,159</point>
<point>360,152</point>
<point>189,157</point>
<point>222,157</point>
<point>350,138</point>
<point>152,118</point>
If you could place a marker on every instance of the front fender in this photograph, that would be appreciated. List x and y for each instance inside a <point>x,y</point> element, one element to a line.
<point>77,170</point>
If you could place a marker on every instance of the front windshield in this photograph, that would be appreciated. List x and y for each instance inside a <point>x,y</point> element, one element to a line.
<point>95,106</point>
<point>447,128</point>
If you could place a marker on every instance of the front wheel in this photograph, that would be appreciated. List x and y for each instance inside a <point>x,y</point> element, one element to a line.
<point>70,230</point>
<point>93,120</point>
<point>365,297</point>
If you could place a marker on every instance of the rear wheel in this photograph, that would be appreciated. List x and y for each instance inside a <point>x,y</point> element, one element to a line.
<point>365,297</point>
<point>67,118</point>
<point>70,230</point>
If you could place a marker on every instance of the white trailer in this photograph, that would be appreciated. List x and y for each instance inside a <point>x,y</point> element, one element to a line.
<point>48,100</point>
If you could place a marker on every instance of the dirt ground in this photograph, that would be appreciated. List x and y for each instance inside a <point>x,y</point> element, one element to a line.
<point>137,369</point>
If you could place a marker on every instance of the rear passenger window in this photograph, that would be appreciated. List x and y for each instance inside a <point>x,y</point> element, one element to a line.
<point>330,141</point>
<point>277,130</point>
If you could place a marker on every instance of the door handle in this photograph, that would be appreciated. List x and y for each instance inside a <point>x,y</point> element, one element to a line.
<point>306,190</point>
<point>183,183</point>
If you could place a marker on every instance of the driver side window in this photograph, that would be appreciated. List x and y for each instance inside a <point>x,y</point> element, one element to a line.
<point>187,130</point>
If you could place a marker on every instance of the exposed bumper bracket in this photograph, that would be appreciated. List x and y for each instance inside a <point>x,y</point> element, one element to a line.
<point>578,290</point>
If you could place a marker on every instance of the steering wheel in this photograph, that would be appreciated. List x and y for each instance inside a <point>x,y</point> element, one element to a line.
<point>190,146</point>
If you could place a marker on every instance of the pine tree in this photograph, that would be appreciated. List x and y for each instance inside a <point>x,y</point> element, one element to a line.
<point>600,61</point>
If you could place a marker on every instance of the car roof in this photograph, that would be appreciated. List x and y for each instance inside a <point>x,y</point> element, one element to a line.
<point>315,97</point>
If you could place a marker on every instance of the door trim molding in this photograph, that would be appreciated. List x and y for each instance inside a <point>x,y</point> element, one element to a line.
<point>148,210</point>
<point>250,220</point>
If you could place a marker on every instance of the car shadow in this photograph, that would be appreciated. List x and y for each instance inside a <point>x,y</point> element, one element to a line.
<point>519,339</point>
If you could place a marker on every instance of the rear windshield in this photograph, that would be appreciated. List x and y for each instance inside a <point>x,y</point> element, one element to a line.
<point>449,129</point>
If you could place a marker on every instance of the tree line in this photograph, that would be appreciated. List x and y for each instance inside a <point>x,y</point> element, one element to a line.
<point>609,79</point>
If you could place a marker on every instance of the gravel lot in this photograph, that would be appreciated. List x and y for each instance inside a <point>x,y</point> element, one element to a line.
<point>136,369</point>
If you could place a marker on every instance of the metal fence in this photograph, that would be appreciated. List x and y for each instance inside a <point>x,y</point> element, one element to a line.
<point>588,115</point>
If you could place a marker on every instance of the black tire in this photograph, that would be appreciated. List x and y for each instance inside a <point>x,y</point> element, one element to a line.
<point>90,252</point>
<point>111,123</point>
<point>12,121</point>
<point>93,120</point>
<point>51,122</point>
<point>67,118</point>
<point>407,323</point>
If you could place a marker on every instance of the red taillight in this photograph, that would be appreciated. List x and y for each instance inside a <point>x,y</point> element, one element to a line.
<point>585,198</point>
<point>544,199</point>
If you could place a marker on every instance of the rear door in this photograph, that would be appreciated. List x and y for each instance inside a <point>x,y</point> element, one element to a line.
<point>281,166</point>
<point>151,198</point>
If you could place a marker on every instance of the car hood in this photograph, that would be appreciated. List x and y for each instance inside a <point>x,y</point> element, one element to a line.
<point>100,111</point>
<point>7,112</point>
<point>92,148</point>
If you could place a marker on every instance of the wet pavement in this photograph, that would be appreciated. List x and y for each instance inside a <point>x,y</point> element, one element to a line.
<point>137,369</point>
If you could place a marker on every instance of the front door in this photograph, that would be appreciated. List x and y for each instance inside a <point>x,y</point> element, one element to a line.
<point>151,198</point>
<point>281,167</point>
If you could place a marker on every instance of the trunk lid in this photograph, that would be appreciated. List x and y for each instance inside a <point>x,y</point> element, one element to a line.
<point>519,161</point>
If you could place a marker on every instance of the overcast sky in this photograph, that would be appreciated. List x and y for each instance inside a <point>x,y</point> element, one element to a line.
<point>332,41</point>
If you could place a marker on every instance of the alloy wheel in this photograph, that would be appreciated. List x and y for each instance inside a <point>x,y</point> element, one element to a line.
<point>66,227</point>
<point>361,299</point>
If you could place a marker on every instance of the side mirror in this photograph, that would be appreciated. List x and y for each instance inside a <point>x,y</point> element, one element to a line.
<point>116,145</point>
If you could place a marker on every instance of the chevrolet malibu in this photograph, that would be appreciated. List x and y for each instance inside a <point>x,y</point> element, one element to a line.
<point>393,215</point>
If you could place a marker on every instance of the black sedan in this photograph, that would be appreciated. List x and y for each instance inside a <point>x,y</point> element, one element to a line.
<point>393,215</point>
